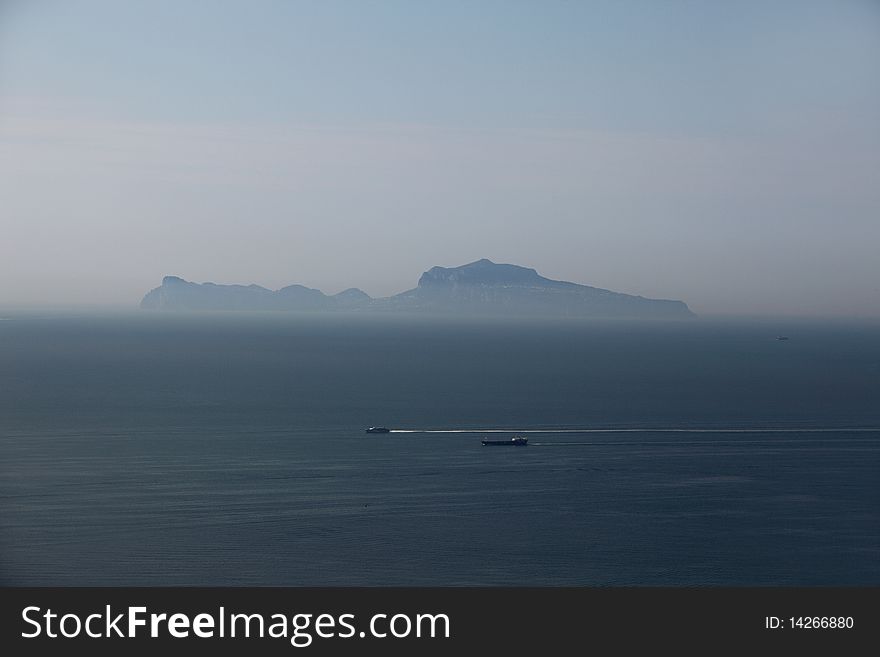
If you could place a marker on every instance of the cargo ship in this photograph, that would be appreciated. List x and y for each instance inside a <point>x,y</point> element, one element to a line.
<point>516,441</point>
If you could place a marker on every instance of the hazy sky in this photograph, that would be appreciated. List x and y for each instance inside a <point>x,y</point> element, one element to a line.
<point>723,153</point>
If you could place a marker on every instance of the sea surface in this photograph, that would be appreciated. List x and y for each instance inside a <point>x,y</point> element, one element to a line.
<point>229,449</point>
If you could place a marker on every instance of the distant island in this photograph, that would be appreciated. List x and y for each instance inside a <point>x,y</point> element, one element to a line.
<point>479,288</point>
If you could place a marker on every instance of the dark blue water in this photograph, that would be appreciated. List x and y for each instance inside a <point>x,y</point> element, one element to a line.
<point>229,449</point>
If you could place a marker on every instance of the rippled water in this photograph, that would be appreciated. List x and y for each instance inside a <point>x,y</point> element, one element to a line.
<point>229,449</point>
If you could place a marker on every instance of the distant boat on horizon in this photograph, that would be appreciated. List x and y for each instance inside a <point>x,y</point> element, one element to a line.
<point>516,441</point>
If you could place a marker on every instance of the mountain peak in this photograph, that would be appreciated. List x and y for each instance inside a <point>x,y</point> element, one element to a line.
<point>482,272</point>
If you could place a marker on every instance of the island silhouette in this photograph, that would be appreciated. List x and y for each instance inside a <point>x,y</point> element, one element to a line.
<point>477,288</point>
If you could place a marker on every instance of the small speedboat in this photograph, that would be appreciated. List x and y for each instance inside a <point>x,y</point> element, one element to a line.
<point>378,430</point>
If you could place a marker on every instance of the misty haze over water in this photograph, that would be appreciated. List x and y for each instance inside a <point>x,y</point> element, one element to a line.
<point>675,160</point>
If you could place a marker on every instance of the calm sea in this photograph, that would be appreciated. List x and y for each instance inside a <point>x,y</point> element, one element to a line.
<point>230,449</point>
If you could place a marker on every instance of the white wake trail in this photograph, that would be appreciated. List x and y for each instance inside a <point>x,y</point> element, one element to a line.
<point>654,430</point>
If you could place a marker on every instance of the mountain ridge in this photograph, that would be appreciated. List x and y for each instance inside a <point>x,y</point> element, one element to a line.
<point>481,287</point>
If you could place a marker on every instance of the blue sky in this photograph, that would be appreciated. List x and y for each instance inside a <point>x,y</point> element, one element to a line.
<point>723,153</point>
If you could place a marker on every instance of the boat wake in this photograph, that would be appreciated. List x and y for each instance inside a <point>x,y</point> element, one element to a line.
<point>653,430</point>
